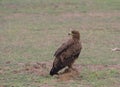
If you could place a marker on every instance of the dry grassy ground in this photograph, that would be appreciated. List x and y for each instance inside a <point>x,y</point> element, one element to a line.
<point>31,31</point>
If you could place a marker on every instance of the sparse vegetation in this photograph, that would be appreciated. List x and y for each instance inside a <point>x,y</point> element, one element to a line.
<point>31,30</point>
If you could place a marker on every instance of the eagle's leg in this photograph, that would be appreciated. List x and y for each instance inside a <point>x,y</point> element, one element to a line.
<point>70,68</point>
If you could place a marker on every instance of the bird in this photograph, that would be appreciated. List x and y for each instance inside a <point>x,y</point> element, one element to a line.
<point>67,53</point>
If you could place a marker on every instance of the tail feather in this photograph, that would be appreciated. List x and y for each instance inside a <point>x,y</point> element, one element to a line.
<point>55,70</point>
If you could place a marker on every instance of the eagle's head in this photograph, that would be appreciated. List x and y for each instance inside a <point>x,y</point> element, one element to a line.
<point>75,34</point>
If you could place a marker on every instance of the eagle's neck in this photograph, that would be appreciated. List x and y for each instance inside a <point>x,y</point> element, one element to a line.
<point>76,39</point>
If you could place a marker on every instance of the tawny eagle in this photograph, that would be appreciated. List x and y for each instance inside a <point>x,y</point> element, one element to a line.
<point>67,53</point>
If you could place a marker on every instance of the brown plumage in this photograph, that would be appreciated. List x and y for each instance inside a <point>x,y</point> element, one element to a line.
<point>67,53</point>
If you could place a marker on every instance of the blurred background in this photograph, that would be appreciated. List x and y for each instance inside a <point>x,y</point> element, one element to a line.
<point>32,30</point>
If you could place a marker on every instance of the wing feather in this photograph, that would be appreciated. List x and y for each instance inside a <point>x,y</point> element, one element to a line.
<point>63,47</point>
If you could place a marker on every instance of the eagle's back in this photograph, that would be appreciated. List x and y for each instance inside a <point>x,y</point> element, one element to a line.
<point>70,54</point>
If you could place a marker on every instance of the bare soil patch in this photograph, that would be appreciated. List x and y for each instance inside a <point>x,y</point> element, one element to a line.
<point>43,68</point>
<point>68,75</point>
<point>91,14</point>
<point>38,68</point>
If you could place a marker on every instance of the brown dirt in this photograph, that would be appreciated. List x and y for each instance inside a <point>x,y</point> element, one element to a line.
<point>1,72</point>
<point>43,68</point>
<point>45,85</point>
<point>91,14</point>
<point>38,68</point>
<point>68,15</point>
<point>65,16</point>
<point>2,86</point>
<point>98,67</point>
<point>68,75</point>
